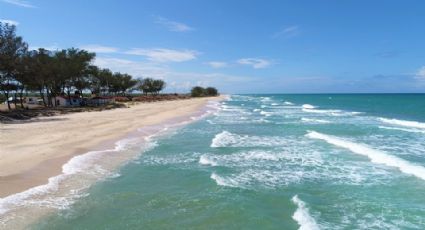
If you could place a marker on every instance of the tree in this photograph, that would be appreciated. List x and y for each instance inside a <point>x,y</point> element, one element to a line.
<point>41,68</point>
<point>211,91</point>
<point>57,73</point>
<point>12,47</point>
<point>197,91</point>
<point>145,85</point>
<point>93,81</point>
<point>121,83</point>
<point>126,83</point>
<point>72,67</point>
<point>150,85</point>
<point>105,78</point>
<point>158,86</point>
<point>25,76</point>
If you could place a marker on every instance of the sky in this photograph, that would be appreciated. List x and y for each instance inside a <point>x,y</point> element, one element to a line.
<point>316,46</point>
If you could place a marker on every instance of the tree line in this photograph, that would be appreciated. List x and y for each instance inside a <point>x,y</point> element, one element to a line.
<point>59,73</point>
<point>199,91</point>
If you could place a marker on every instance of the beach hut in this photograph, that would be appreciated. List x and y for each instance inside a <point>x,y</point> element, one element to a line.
<point>65,101</point>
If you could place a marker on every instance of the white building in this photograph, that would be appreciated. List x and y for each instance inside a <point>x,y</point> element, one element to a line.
<point>63,101</point>
<point>33,100</point>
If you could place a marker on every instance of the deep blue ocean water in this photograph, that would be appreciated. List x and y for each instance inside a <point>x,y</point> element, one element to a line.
<point>272,162</point>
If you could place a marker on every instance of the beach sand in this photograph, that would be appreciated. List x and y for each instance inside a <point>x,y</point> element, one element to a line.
<point>31,152</point>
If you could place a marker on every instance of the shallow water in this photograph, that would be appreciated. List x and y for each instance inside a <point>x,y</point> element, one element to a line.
<point>272,162</point>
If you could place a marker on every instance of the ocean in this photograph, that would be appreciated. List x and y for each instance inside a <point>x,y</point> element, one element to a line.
<point>326,161</point>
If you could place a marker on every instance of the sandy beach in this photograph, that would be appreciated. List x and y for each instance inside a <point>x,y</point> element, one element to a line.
<point>31,152</point>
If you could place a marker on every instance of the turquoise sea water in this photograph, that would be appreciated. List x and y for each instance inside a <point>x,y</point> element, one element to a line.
<point>272,162</point>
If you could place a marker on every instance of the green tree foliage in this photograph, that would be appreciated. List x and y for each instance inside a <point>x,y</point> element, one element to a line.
<point>12,47</point>
<point>53,74</point>
<point>63,72</point>
<point>199,91</point>
<point>211,91</point>
<point>152,86</point>
<point>121,83</point>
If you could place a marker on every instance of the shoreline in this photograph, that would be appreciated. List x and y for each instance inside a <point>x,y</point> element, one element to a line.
<point>29,163</point>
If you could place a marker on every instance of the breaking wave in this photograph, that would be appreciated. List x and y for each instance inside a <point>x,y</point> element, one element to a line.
<point>204,160</point>
<point>375,156</point>
<point>227,139</point>
<point>308,106</point>
<point>410,124</point>
<point>77,164</point>
<point>222,181</point>
<point>310,120</point>
<point>402,129</point>
<point>302,215</point>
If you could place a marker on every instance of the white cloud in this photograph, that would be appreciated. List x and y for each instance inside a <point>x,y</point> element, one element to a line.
<point>99,48</point>
<point>176,81</point>
<point>10,22</point>
<point>165,55</point>
<point>19,3</point>
<point>256,63</point>
<point>289,31</point>
<point>183,81</point>
<point>217,64</point>
<point>137,69</point>
<point>421,73</point>
<point>172,25</point>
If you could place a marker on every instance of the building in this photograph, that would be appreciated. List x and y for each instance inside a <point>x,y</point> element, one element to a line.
<point>33,100</point>
<point>65,101</point>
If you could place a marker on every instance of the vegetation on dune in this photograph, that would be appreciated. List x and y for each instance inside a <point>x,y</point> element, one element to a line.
<point>199,91</point>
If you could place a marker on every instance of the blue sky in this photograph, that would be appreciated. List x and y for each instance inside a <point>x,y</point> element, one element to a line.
<point>240,46</point>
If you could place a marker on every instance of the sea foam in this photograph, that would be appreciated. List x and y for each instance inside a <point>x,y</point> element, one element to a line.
<point>227,139</point>
<point>310,120</point>
<point>411,124</point>
<point>331,112</point>
<point>302,215</point>
<point>204,160</point>
<point>308,106</point>
<point>402,129</point>
<point>226,182</point>
<point>267,114</point>
<point>375,156</point>
<point>75,165</point>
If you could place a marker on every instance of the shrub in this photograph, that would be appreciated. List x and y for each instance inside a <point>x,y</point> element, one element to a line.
<point>199,91</point>
<point>211,91</point>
